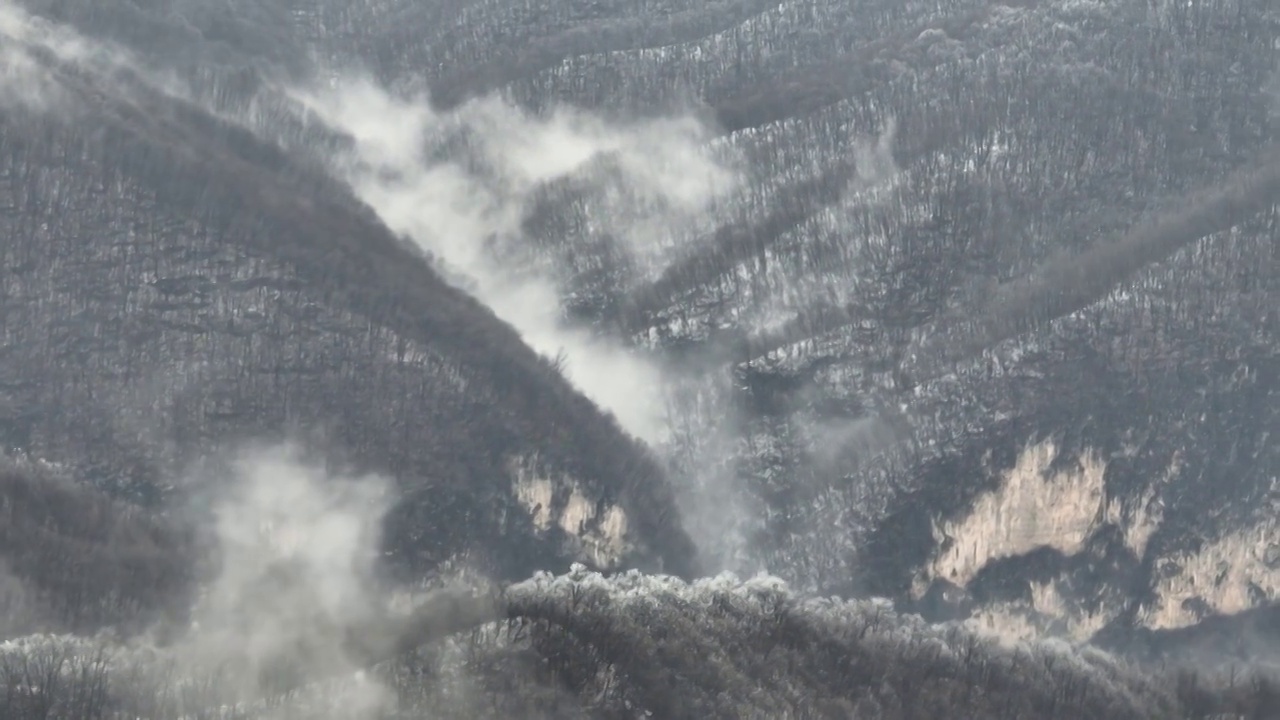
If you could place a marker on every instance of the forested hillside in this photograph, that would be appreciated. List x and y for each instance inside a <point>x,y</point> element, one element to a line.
<point>968,306</point>
<point>173,285</point>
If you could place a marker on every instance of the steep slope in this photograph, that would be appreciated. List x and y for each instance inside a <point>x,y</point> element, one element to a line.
<point>989,325</point>
<point>174,287</point>
<point>952,266</point>
<point>75,559</point>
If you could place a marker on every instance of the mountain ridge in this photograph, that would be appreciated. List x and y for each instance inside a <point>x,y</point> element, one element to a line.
<point>984,323</point>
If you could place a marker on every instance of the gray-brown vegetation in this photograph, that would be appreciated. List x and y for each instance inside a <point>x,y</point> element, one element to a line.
<point>987,326</point>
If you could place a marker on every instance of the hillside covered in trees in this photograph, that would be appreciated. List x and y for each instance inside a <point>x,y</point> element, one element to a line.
<point>310,308</point>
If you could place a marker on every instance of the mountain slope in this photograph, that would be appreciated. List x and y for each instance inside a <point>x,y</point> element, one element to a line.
<point>959,233</point>
<point>174,286</point>
<point>987,324</point>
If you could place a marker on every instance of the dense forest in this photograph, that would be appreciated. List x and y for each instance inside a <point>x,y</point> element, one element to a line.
<point>187,304</point>
<point>313,314</point>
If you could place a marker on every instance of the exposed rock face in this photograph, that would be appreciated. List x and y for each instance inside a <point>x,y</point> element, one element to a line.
<point>989,326</point>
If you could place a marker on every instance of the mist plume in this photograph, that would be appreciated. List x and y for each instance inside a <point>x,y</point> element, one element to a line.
<point>459,185</point>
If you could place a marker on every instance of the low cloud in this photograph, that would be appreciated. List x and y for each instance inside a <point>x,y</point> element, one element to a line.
<point>460,185</point>
<point>291,618</point>
<point>23,81</point>
<point>296,550</point>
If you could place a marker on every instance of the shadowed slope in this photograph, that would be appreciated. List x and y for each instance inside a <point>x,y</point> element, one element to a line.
<point>220,290</point>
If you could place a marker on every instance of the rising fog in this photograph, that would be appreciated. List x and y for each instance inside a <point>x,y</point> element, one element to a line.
<point>295,550</point>
<point>460,184</point>
<point>296,546</point>
<point>23,81</point>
